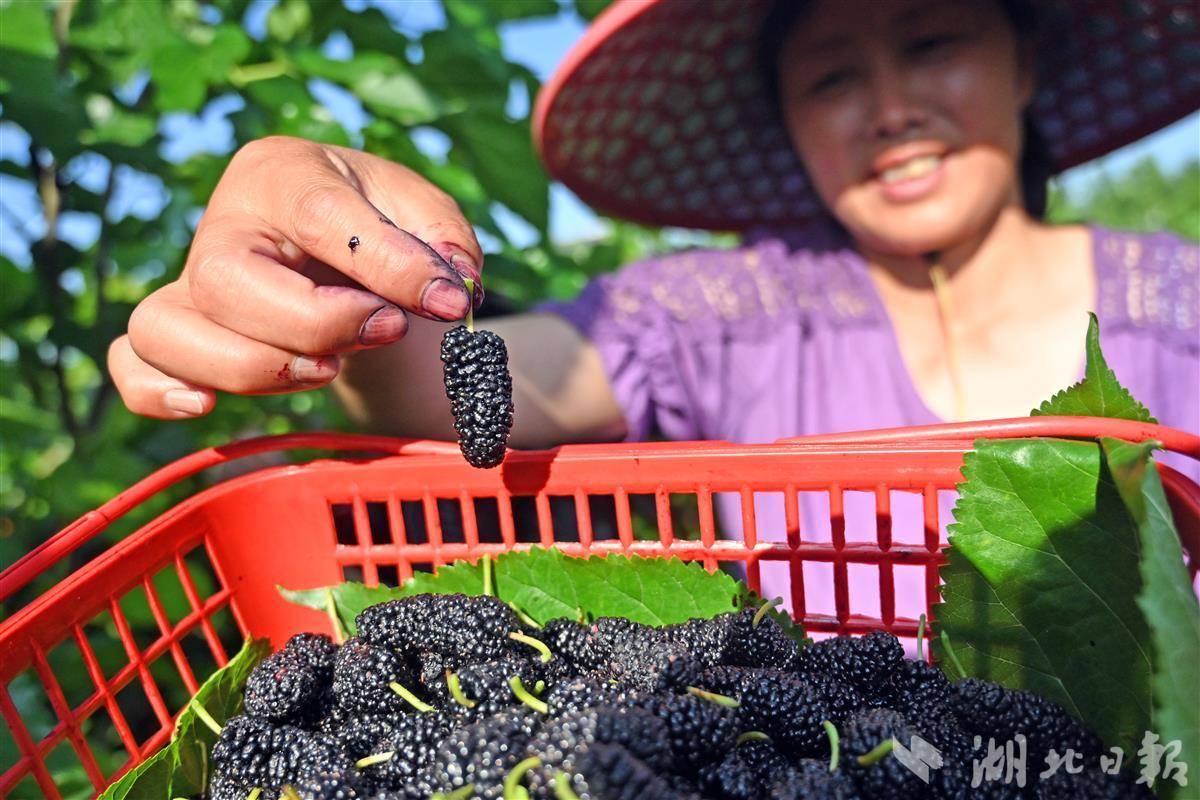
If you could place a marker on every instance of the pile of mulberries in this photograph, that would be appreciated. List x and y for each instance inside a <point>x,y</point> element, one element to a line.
<point>479,386</point>
<point>455,697</point>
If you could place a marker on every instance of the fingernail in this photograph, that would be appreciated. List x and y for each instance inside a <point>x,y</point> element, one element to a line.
<point>465,267</point>
<point>184,401</point>
<point>385,325</point>
<point>313,370</point>
<point>445,300</point>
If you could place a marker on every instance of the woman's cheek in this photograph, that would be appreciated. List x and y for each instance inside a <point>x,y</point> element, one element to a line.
<point>824,142</point>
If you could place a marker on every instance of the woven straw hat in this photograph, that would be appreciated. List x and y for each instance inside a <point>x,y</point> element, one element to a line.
<point>660,113</point>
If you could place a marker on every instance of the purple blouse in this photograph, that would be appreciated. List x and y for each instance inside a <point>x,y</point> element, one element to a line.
<point>786,336</point>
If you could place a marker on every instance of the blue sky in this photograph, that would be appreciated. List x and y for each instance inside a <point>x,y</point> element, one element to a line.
<point>539,44</point>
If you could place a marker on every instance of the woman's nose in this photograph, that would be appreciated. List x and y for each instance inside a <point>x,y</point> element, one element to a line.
<point>895,110</point>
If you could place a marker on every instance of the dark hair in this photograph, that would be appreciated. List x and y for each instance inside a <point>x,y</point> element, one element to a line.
<point>1037,164</point>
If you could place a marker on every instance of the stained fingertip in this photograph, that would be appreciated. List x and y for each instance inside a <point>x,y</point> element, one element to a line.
<point>384,326</point>
<point>306,369</point>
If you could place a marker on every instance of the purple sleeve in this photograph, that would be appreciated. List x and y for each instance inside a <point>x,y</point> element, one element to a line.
<point>640,350</point>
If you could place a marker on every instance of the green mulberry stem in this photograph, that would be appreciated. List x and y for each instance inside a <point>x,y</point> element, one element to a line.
<point>832,731</point>
<point>513,790</point>
<point>377,758</point>
<point>488,589</point>
<point>525,618</point>
<point>470,284</point>
<point>205,717</point>
<point>713,697</point>
<point>877,753</point>
<point>762,611</point>
<point>962,673</point>
<point>921,638</point>
<point>562,787</point>
<point>289,793</point>
<point>413,700</point>
<point>752,736</point>
<point>458,794</point>
<point>536,644</point>
<point>456,691</point>
<point>339,633</point>
<point>522,694</point>
<point>254,793</point>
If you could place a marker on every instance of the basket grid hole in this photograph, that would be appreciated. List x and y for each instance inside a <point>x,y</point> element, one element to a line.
<point>525,519</point>
<point>816,523</point>
<point>201,571</point>
<point>66,768</point>
<point>101,635</point>
<point>422,566</point>
<point>377,521</point>
<point>643,518</point>
<point>342,515</point>
<point>602,513</point>
<point>415,529</point>
<point>770,516</point>
<point>685,515</point>
<point>389,574</point>
<point>199,655</point>
<point>859,511</point>
<point>33,704</point>
<point>169,590</point>
<point>946,500</point>
<point>863,582</point>
<point>909,583</point>
<point>137,711</point>
<point>487,518</point>
<point>70,671</point>
<point>136,609</point>
<point>777,574</point>
<point>727,516</point>
<point>818,587</point>
<point>27,788</point>
<point>352,573</point>
<point>450,519</point>
<point>907,525</point>
<point>563,520</point>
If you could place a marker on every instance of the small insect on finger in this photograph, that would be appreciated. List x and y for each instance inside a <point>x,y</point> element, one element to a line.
<point>353,243</point>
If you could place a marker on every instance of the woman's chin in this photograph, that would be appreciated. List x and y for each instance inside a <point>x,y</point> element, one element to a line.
<point>913,230</point>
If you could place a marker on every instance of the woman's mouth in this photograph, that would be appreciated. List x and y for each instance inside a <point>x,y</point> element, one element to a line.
<point>911,179</point>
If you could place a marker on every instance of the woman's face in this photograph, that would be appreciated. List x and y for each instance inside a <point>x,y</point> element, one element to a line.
<point>907,116</point>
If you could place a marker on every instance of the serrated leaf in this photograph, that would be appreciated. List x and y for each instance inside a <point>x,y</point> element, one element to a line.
<point>1041,583</point>
<point>147,781</point>
<point>1166,599</point>
<point>1099,394</point>
<point>545,584</point>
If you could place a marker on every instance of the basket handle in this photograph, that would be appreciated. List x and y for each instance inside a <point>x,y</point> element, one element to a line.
<point>91,524</point>
<point>1173,439</point>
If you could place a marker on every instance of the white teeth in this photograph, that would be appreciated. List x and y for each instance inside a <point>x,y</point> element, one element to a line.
<point>917,167</point>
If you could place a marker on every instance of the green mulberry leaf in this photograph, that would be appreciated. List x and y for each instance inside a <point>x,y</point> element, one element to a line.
<point>545,584</point>
<point>1042,580</point>
<point>1166,599</point>
<point>1099,394</point>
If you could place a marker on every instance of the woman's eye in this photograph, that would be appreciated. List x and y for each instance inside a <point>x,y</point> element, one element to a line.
<point>931,44</point>
<point>830,81</point>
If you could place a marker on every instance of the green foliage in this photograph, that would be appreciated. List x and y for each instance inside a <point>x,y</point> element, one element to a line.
<point>1167,601</point>
<point>92,84</point>
<point>1098,394</point>
<point>1144,199</point>
<point>545,584</point>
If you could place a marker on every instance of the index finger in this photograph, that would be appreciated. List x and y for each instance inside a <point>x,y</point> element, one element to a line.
<point>316,207</point>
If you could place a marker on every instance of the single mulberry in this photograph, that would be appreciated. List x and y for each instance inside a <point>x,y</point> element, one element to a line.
<point>363,676</point>
<point>470,629</point>
<point>479,386</point>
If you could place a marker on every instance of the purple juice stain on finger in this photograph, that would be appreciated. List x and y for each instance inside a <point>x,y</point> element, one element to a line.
<point>353,243</point>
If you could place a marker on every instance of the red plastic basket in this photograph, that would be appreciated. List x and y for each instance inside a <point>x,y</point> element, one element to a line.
<point>414,505</point>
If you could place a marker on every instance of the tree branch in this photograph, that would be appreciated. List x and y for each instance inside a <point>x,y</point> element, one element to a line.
<point>103,246</point>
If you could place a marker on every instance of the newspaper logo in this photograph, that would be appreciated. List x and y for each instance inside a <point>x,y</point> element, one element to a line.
<point>918,757</point>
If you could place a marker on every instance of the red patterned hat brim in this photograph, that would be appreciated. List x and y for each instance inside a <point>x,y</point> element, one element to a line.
<point>659,113</point>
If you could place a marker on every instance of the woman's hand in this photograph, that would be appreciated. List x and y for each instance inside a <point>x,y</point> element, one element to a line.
<point>305,252</point>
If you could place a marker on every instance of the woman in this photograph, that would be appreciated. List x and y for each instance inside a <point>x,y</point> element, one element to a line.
<point>929,290</point>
